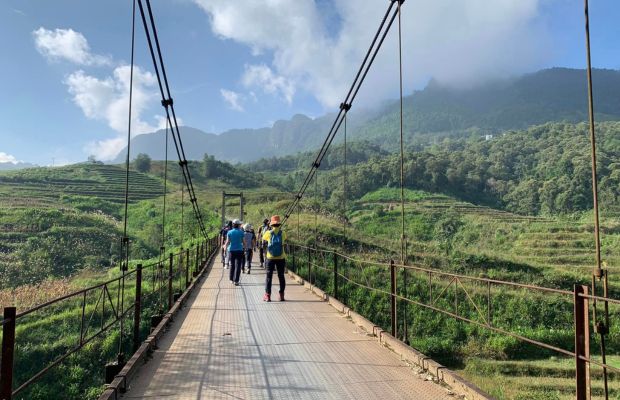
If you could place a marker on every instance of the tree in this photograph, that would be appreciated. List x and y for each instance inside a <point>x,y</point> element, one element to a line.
<point>143,162</point>
<point>210,167</point>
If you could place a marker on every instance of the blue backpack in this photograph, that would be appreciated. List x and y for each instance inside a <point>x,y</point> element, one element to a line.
<point>275,244</point>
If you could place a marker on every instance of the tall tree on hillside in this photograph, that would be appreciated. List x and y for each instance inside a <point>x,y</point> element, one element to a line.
<point>143,162</point>
<point>210,166</point>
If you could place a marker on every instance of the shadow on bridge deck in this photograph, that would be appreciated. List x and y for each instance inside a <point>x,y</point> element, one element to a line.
<point>228,344</point>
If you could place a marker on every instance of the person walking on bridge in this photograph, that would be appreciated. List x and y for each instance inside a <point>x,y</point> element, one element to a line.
<point>276,259</point>
<point>234,246</point>
<point>223,236</point>
<point>249,241</point>
<point>262,246</point>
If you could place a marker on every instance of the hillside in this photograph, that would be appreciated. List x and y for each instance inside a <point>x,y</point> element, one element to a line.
<point>544,170</point>
<point>551,95</point>
<point>57,222</point>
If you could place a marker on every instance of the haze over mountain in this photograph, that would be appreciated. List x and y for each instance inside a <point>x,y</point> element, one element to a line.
<point>557,94</point>
<point>9,166</point>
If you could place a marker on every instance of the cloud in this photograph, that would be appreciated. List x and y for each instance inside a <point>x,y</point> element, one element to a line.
<point>68,45</point>
<point>107,100</point>
<point>458,43</point>
<point>232,98</point>
<point>263,77</point>
<point>7,158</point>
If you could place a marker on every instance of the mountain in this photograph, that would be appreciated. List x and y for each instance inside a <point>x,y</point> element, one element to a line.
<point>550,95</point>
<point>239,145</point>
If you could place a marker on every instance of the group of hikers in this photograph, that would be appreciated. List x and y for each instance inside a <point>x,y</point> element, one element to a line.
<point>239,242</point>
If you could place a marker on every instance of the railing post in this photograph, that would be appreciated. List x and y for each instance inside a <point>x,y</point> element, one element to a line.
<point>393,296</point>
<point>170,264</point>
<point>186,268</point>
<point>180,267</point>
<point>335,275</point>
<point>8,350</point>
<point>137,309</point>
<point>309,267</point>
<point>582,343</point>
<point>197,260</point>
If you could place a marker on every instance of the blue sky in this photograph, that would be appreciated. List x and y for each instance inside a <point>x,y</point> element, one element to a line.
<point>247,63</point>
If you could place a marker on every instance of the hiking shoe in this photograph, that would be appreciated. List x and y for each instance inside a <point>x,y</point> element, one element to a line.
<point>267,297</point>
<point>281,296</point>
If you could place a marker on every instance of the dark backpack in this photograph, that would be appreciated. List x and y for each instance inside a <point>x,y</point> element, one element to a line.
<point>275,244</point>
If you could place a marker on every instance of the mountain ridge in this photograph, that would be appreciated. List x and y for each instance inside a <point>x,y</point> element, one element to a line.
<point>549,95</point>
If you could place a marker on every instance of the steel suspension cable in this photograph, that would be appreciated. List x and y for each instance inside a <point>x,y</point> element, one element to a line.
<point>344,185</point>
<point>125,239</point>
<point>182,216</point>
<point>592,141</point>
<point>362,72</point>
<point>402,146</point>
<point>316,212</point>
<point>403,240</point>
<point>601,327</point>
<point>163,213</point>
<point>179,146</point>
<point>168,105</point>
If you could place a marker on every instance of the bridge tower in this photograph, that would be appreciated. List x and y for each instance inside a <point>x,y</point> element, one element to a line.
<point>241,204</point>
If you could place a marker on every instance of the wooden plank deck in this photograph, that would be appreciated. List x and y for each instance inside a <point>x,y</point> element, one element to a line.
<point>228,344</point>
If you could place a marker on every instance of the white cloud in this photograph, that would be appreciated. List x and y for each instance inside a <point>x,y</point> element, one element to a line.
<point>263,77</point>
<point>107,100</point>
<point>7,158</point>
<point>233,99</point>
<point>66,44</point>
<point>456,42</point>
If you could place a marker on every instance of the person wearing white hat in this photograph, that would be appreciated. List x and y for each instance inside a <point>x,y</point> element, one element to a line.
<point>234,246</point>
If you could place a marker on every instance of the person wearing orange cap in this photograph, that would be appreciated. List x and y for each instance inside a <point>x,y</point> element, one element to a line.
<point>276,259</point>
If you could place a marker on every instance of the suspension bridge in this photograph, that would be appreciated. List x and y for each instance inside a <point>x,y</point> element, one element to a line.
<point>186,333</point>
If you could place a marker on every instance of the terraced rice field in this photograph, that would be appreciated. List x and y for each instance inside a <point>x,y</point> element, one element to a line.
<point>41,202</point>
<point>43,187</point>
<point>537,241</point>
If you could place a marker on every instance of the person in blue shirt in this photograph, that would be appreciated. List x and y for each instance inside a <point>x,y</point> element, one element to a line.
<point>234,247</point>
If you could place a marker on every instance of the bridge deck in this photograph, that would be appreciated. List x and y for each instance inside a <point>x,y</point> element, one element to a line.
<point>229,344</point>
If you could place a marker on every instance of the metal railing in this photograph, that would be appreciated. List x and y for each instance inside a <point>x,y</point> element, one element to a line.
<point>465,298</point>
<point>88,314</point>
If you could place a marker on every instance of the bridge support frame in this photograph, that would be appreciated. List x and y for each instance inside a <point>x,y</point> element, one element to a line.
<point>335,276</point>
<point>241,205</point>
<point>187,281</point>
<point>137,309</point>
<point>170,277</point>
<point>393,296</point>
<point>8,352</point>
<point>582,342</point>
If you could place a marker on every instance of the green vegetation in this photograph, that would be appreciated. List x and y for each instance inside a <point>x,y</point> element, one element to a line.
<point>516,208</point>
<point>544,170</point>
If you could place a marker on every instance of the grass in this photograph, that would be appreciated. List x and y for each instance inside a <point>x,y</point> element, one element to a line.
<point>442,233</point>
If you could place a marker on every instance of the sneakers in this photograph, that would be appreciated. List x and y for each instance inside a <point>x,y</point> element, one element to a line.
<point>281,296</point>
<point>267,297</point>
